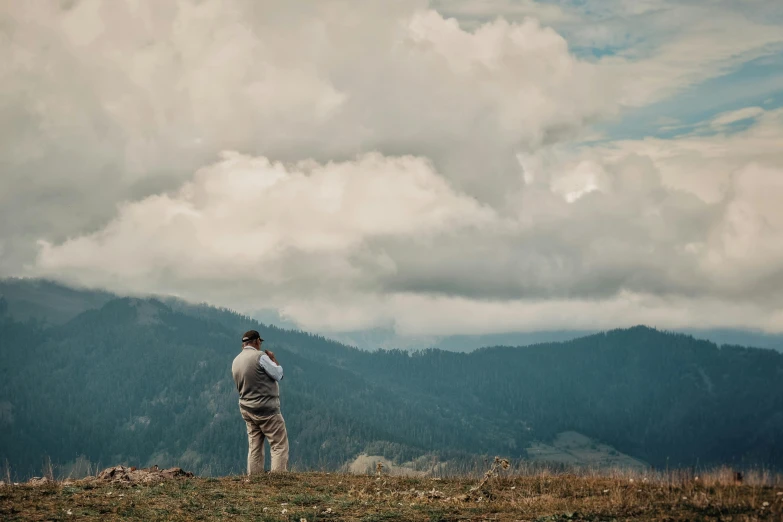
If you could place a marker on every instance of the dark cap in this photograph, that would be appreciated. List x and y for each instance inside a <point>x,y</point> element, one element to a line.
<point>251,335</point>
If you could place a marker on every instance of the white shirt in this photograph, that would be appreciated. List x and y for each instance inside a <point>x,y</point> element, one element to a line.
<point>271,368</point>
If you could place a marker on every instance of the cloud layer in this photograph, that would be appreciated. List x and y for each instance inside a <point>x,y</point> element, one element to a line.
<point>384,165</point>
<point>596,238</point>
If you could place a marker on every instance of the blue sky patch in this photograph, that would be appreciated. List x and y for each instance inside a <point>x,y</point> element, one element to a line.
<point>757,83</point>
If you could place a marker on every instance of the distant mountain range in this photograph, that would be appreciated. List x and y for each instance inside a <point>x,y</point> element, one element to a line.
<point>141,381</point>
<point>56,303</point>
<point>390,340</point>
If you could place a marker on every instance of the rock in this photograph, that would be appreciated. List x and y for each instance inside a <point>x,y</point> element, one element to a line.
<point>176,472</point>
<point>114,474</point>
<point>132,475</point>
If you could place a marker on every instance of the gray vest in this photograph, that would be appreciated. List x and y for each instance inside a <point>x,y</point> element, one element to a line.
<point>258,392</point>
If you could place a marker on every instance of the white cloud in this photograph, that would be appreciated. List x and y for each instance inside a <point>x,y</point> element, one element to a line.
<point>703,165</point>
<point>281,230</point>
<point>651,48</point>
<point>704,51</point>
<point>414,315</point>
<point>478,11</point>
<point>394,168</point>
<point>126,99</point>
<point>587,176</point>
<point>600,237</point>
<point>727,118</point>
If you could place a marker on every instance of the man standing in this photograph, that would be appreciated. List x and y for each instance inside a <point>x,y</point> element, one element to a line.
<point>256,376</point>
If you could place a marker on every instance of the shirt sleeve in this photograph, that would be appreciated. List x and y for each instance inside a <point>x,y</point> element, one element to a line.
<point>275,371</point>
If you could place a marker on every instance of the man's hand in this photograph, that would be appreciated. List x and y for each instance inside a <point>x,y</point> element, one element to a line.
<point>271,356</point>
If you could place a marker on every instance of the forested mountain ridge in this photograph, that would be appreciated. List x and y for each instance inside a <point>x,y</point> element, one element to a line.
<point>54,303</point>
<point>141,381</point>
<point>136,381</point>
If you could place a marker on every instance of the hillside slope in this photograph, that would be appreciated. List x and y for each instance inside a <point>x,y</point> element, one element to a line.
<point>143,382</point>
<point>55,303</point>
<point>47,301</point>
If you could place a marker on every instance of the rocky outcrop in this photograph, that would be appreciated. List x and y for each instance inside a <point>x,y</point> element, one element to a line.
<point>132,475</point>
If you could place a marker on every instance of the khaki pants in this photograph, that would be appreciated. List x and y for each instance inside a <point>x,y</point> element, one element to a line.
<point>271,427</point>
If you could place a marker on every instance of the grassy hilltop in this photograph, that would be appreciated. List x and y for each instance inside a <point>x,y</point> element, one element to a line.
<point>142,382</point>
<point>542,496</point>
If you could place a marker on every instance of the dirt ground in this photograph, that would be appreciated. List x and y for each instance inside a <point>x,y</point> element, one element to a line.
<point>323,496</point>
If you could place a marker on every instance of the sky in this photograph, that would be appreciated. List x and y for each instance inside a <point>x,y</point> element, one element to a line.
<point>433,168</point>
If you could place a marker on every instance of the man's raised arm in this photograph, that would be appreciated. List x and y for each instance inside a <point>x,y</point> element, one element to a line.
<point>270,365</point>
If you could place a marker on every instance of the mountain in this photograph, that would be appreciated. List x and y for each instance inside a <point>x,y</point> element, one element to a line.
<point>137,381</point>
<point>737,337</point>
<point>146,382</point>
<point>388,339</point>
<point>48,301</point>
<point>55,303</point>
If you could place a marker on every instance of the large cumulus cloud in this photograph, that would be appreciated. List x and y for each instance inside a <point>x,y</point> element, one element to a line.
<point>107,101</point>
<point>373,164</point>
<point>597,237</point>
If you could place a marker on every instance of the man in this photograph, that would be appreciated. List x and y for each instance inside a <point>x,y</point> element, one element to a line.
<point>256,376</point>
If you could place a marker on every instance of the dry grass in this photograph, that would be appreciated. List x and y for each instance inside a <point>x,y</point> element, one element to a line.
<point>543,496</point>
